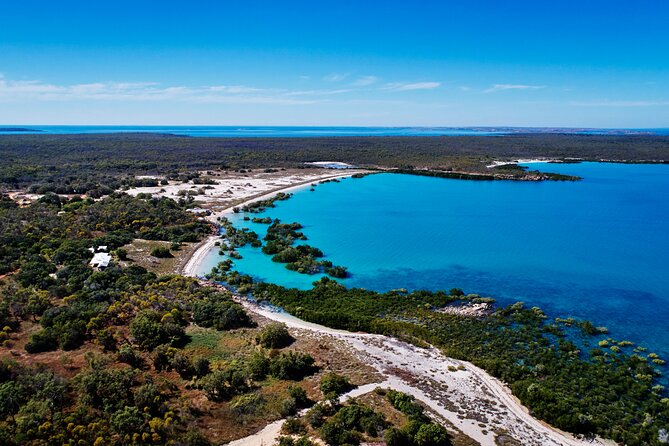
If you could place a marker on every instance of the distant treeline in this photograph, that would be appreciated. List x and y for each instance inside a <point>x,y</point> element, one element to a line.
<point>86,162</point>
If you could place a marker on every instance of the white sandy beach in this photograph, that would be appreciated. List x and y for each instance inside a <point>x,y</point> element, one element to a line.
<point>523,161</point>
<point>234,187</point>
<point>193,264</point>
<point>470,399</point>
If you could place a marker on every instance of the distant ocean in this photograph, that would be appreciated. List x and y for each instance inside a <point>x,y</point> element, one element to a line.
<point>306,132</point>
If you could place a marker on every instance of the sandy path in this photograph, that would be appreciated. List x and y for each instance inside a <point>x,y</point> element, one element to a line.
<point>191,267</point>
<point>268,435</point>
<point>476,403</point>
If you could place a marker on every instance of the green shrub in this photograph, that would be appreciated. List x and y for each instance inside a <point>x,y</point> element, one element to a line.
<point>316,415</point>
<point>249,404</point>
<point>129,356</point>
<point>258,365</point>
<point>294,426</point>
<point>127,421</point>
<point>148,397</point>
<point>288,407</point>
<point>299,395</point>
<point>150,329</point>
<point>219,312</point>
<point>431,434</point>
<point>44,340</point>
<point>274,335</point>
<point>201,366</point>
<point>222,384</point>
<point>122,254</point>
<point>333,385</point>
<point>161,252</point>
<point>291,365</point>
<point>182,365</point>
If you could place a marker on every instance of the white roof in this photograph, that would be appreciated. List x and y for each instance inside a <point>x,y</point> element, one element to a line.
<point>101,260</point>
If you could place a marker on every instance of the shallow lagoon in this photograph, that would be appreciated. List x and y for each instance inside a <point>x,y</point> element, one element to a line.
<point>596,249</point>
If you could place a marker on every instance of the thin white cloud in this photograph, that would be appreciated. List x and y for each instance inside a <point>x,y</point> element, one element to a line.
<point>235,89</point>
<point>35,91</point>
<point>323,92</point>
<point>398,86</point>
<point>503,87</point>
<point>144,91</point>
<point>364,81</point>
<point>335,77</point>
<point>620,104</point>
<point>465,88</point>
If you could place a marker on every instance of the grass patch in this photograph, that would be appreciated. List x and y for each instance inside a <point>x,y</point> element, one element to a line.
<point>139,253</point>
<point>218,345</point>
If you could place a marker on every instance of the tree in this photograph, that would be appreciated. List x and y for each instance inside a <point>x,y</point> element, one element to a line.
<point>274,335</point>
<point>161,252</point>
<point>72,334</point>
<point>147,397</point>
<point>300,396</point>
<point>395,437</point>
<point>122,254</point>
<point>129,356</point>
<point>127,421</point>
<point>11,398</point>
<point>333,385</point>
<point>291,365</point>
<point>42,341</point>
<point>147,330</point>
<point>105,388</point>
<point>432,435</point>
<point>258,365</point>
<point>222,384</point>
<point>219,312</point>
<point>202,367</point>
<point>107,340</point>
<point>150,329</point>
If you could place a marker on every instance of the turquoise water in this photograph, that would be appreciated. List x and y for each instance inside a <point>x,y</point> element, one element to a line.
<point>596,249</point>
<point>307,132</point>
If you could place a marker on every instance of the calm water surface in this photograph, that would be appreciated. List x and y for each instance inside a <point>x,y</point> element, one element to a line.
<point>305,132</point>
<point>596,249</point>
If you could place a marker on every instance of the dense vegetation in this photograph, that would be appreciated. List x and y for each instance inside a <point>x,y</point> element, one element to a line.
<point>610,390</point>
<point>56,232</point>
<point>261,205</point>
<point>129,385</point>
<point>515,173</point>
<point>280,240</point>
<point>122,371</point>
<point>355,422</point>
<point>101,163</point>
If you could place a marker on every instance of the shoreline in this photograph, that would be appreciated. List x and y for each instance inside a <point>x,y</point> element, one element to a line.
<point>190,268</point>
<point>426,375</point>
<point>523,161</point>
<point>396,360</point>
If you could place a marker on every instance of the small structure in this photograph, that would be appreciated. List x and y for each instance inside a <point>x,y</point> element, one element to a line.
<point>331,165</point>
<point>199,211</point>
<point>100,260</point>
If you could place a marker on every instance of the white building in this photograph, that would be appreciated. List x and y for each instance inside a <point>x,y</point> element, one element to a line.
<point>100,260</point>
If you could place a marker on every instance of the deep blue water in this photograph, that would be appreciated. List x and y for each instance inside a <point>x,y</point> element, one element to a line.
<point>595,249</point>
<point>273,131</point>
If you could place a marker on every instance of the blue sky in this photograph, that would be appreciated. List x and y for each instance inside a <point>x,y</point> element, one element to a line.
<point>395,63</point>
